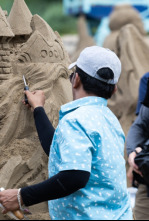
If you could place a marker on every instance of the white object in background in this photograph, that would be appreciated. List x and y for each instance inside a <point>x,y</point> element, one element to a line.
<point>133,192</point>
<point>103,31</point>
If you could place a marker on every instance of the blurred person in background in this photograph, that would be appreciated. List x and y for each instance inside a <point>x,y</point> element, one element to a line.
<point>138,152</point>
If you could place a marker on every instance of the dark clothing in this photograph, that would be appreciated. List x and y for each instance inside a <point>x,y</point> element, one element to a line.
<point>142,91</point>
<point>142,161</point>
<point>44,128</point>
<point>141,210</point>
<point>138,134</point>
<point>61,185</point>
<point>146,100</point>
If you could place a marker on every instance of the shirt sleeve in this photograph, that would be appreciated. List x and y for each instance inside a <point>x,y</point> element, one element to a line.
<point>139,132</point>
<point>44,128</point>
<point>75,148</point>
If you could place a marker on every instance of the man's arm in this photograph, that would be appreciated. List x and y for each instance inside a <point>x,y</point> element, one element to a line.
<point>63,184</point>
<point>137,137</point>
<point>43,125</point>
<point>44,128</point>
<point>139,132</point>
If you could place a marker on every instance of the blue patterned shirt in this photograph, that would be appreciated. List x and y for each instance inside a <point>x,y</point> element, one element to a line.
<point>90,138</point>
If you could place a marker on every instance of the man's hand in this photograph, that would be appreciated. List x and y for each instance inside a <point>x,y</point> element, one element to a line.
<point>9,200</point>
<point>35,99</point>
<point>131,161</point>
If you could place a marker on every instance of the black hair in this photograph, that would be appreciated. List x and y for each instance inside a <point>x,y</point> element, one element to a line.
<point>95,86</point>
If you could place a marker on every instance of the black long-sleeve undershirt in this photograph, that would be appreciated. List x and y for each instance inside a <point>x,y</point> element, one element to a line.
<point>44,128</point>
<point>61,185</point>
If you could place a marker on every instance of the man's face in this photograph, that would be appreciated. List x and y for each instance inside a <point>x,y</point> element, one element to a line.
<point>72,80</point>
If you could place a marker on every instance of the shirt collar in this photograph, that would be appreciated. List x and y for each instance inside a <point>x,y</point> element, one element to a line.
<point>87,101</point>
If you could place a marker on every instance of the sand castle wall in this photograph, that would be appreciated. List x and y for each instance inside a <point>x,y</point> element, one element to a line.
<point>28,46</point>
<point>5,65</point>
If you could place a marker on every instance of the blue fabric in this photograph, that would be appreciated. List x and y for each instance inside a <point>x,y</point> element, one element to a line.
<point>142,91</point>
<point>100,8</point>
<point>90,138</point>
<point>100,11</point>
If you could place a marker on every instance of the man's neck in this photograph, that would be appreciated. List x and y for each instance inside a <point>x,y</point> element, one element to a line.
<point>83,94</point>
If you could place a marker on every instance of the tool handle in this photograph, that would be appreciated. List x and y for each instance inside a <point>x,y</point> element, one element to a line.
<point>18,214</point>
<point>26,99</point>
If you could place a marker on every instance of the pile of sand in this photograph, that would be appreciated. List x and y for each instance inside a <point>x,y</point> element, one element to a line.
<point>28,46</point>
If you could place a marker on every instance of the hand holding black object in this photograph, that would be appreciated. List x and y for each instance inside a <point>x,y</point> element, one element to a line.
<point>146,100</point>
<point>142,161</point>
<point>35,99</point>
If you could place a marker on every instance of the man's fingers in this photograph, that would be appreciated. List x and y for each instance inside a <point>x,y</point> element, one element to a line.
<point>133,165</point>
<point>27,105</point>
<point>5,211</point>
<point>138,172</point>
<point>136,167</point>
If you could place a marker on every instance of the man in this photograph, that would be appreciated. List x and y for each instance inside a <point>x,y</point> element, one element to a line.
<point>87,175</point>
<point>138,136</point>
<point>142,91</point>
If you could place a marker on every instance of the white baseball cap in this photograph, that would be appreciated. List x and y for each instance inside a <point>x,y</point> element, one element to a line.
<point>92,59</point>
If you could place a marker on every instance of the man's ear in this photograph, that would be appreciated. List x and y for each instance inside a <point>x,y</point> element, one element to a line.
<point>76,81</point>
<point>115,89</point>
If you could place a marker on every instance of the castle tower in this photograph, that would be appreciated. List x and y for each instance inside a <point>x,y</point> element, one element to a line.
<point>6,32</point>
<point>5,36</point>
<point>20,22</point>
<point>20,18</point>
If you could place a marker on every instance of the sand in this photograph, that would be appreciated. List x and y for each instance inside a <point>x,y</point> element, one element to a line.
<point>85,40</point>
<point>29,47</point>
<point>122,15</point>
<point>132,50</point>
<point>129,41</point>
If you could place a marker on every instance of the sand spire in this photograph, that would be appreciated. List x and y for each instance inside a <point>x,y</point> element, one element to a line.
<point>20,18</point>
<point>4,26</point>
<point>38,24</point>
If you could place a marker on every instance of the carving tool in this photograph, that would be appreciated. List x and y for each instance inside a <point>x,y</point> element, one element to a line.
<point>26,88</point>
<point>17,215</point>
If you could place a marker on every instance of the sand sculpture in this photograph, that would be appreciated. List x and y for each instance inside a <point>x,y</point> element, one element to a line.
<point>28,46</point>
<point>121,16</point>
<point>128,41</point>
<point>85,40</point>
<point>133,52</point>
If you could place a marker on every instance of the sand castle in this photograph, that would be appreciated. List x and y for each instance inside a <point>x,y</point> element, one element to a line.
<point>85,40</point>
<point>133,52</point>
<point>28,46</point>
<point>121,16</point>
<point>128,40</point>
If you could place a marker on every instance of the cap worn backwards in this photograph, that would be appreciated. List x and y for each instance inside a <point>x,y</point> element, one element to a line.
<point>92,59</point>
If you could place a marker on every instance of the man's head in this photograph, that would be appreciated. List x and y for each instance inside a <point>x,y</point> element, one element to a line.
<point>97,72</point>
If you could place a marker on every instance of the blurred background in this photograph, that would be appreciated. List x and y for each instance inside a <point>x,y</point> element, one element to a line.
<point>62,14</point>
<point>52,11</point>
